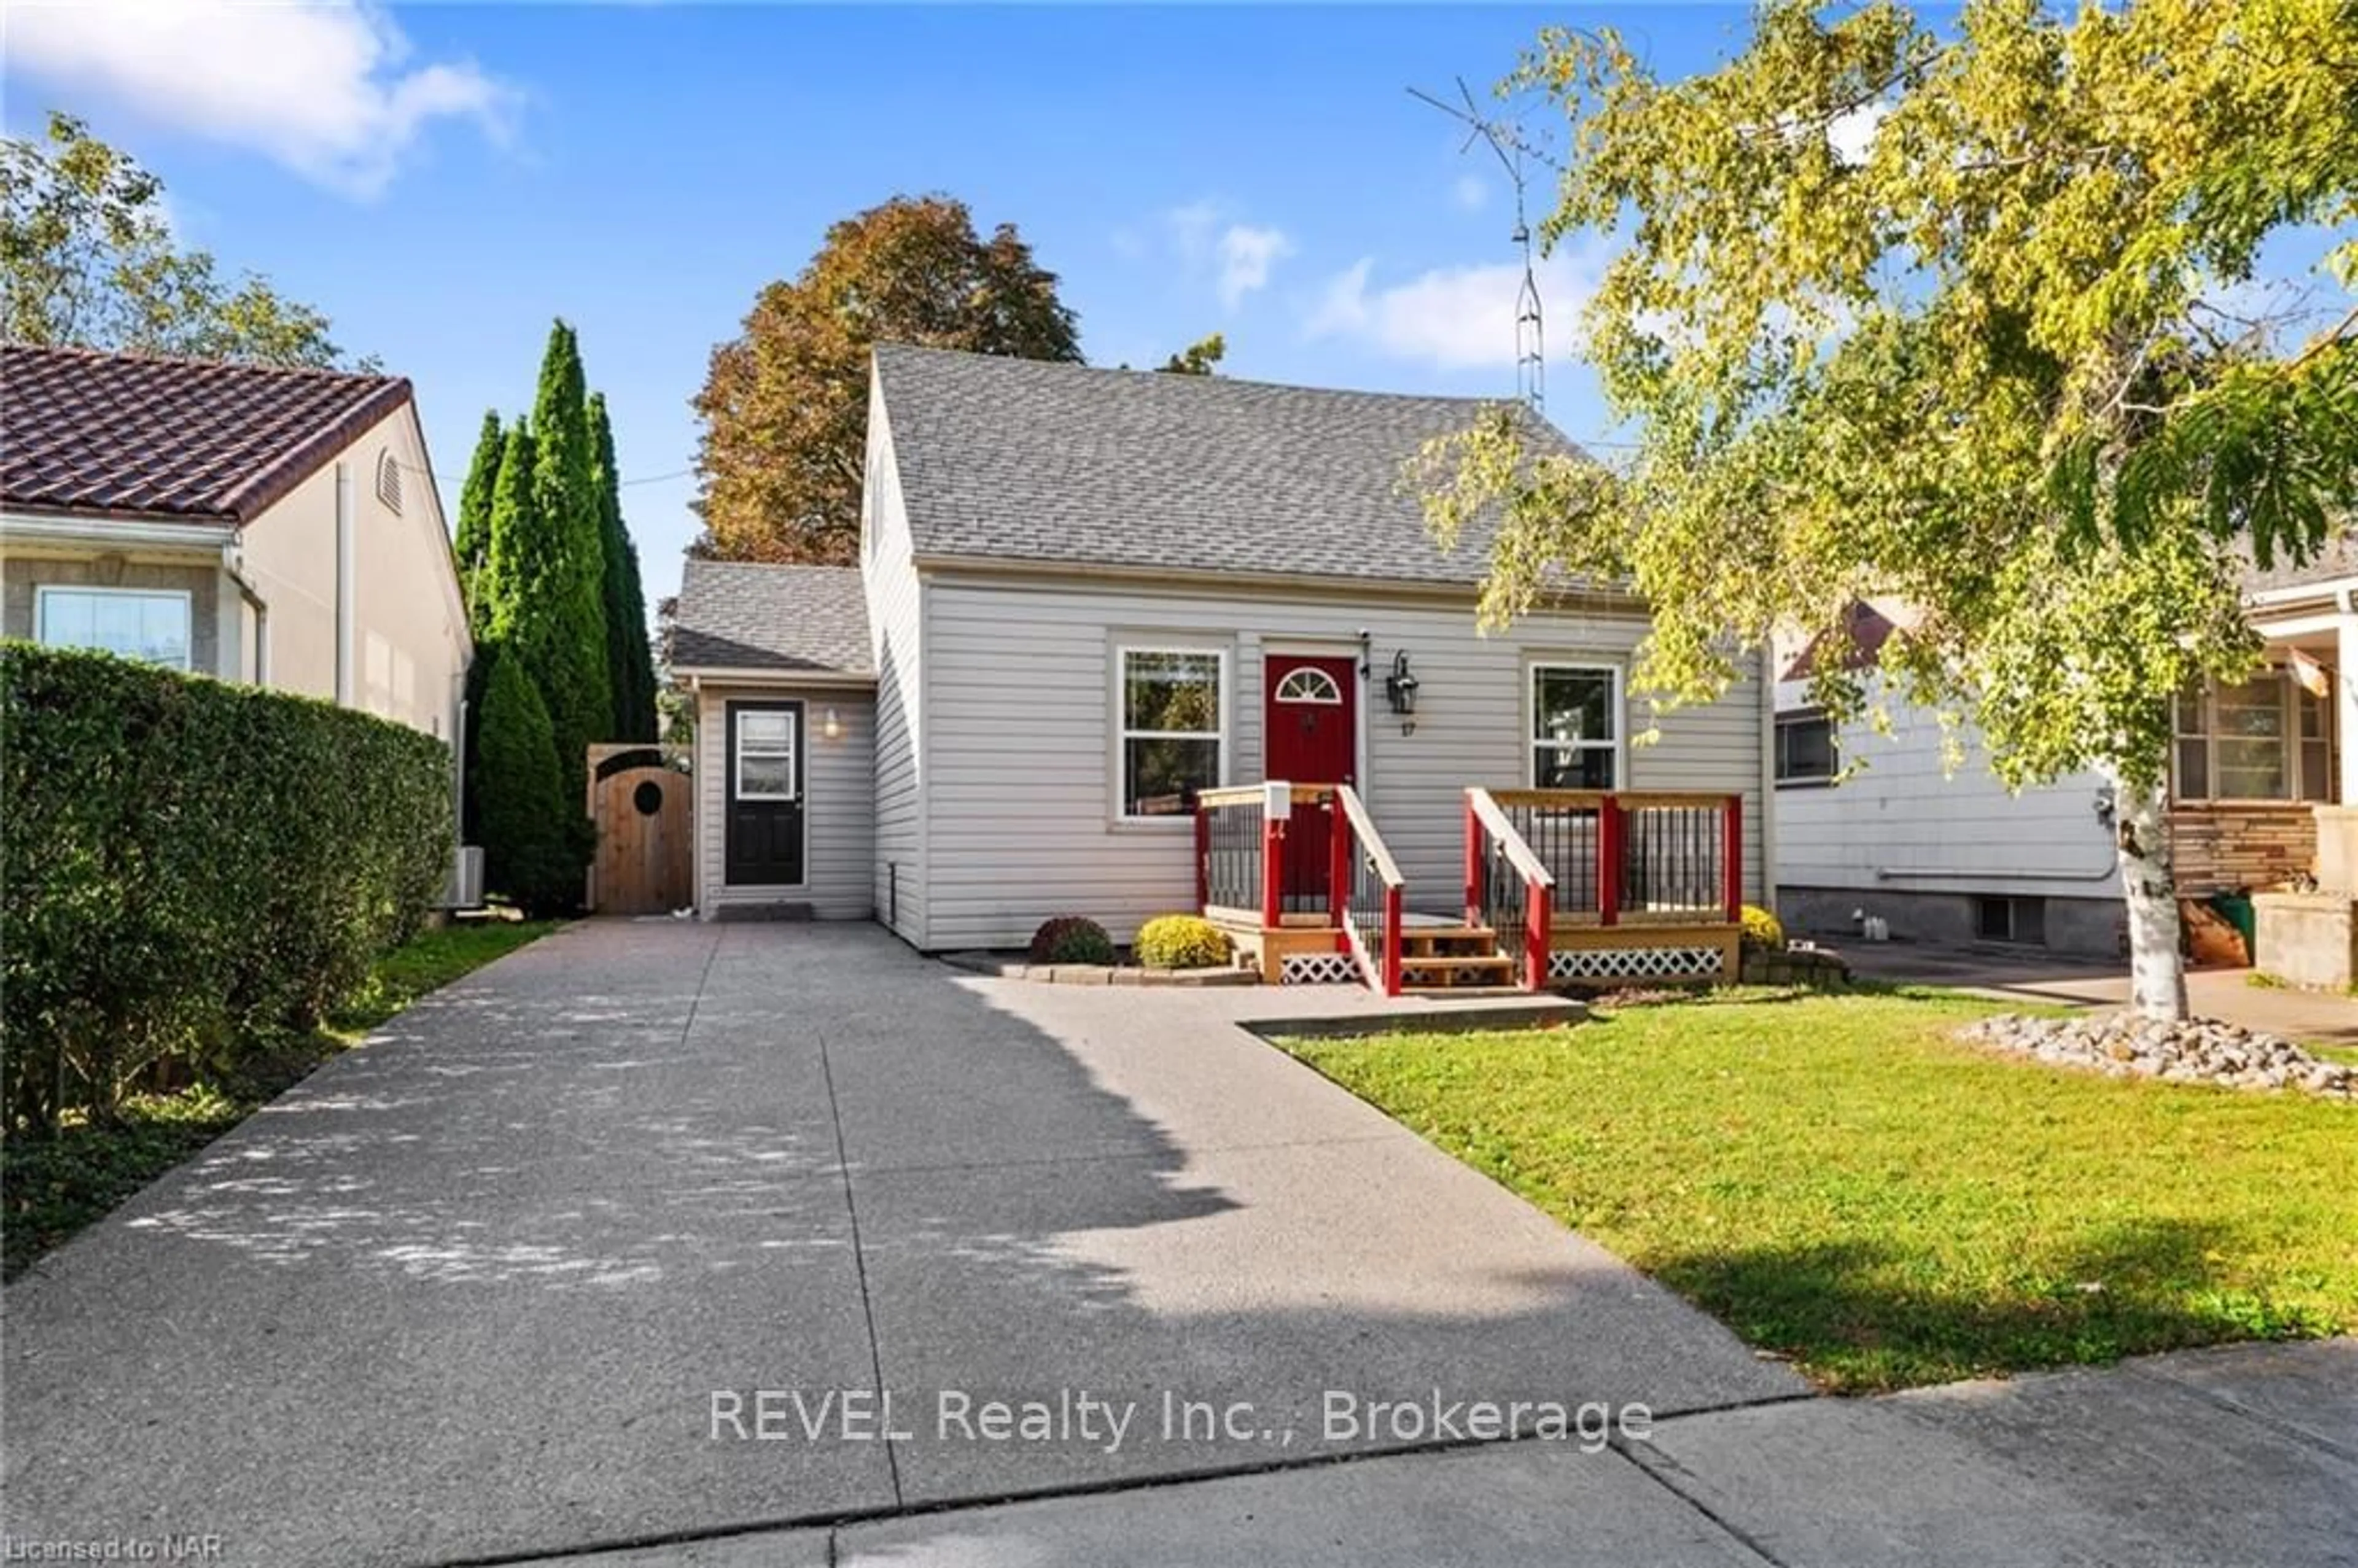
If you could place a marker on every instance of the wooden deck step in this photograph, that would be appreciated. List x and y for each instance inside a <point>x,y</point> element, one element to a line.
<point>1409,934</point>
<point>1460,963</point>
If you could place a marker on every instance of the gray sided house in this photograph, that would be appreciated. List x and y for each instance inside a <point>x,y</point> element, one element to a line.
<point>1097,611</point>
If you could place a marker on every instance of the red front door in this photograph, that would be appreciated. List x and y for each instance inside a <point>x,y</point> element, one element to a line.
<point>1310,734</point>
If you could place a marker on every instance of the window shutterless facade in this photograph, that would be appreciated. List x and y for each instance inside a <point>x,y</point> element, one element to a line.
<point>1173,707</point>
<point>1576,734</point>
<point>151,625</point>
<point>2267,738</point>
<point>1806,753</point>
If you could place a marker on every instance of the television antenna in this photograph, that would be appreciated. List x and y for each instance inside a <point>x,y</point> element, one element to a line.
<point>1531,323</point>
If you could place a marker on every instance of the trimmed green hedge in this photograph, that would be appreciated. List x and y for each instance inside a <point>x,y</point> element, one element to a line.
<point>193,869</point>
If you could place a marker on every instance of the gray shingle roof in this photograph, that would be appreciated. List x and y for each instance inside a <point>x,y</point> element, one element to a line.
<point>2337,560</point>
<point>734,615</point>
<point>1020,460</point>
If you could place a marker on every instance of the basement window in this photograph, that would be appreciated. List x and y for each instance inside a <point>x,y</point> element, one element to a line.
<point>2022,921</point>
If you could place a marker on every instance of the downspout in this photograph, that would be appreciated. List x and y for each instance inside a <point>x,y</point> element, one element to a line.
<point>232,557</point>
<point>344,583</point>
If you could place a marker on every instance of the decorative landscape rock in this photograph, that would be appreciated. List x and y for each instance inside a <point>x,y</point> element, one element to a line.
<point>2198,1050</point>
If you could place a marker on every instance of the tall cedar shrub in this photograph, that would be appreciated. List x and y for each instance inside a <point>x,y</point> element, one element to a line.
<point>567,649</point>
<point>630,664</point>
<point>520,812</point>
<point>474,538</point>
<point>193,869</point>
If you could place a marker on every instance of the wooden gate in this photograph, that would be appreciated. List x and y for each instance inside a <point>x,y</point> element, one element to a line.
<point>644,802</point>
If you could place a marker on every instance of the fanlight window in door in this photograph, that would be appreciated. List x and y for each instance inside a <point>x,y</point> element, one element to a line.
<point>1309,684</point>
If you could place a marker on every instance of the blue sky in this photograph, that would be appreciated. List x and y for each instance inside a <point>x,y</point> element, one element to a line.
<point>642,171</point>
<point>442,180</point>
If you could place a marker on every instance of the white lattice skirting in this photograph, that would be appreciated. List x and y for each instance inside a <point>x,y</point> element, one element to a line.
<point>1317,969</point>
<point>1632,963</point>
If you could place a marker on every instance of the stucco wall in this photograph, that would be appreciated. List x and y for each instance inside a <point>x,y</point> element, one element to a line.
<point>408,641</point>
<point>22,575</point>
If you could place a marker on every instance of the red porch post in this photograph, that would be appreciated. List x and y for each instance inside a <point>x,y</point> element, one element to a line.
<point>1731,840</point>
<point>1393,917</point>
<point>1339,857</point>
<point>1608,862</point>
<point>1539,906</point>
<point>1272,871</point>
<point>1203,859</point>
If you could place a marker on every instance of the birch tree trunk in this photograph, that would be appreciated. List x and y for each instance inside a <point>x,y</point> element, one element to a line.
<point>2141,839</point>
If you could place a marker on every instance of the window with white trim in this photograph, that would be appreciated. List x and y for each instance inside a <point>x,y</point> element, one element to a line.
<point>2268,737</point>
<point>765,754</point>
<point>1173,740</point>
<point>150,625</point>
<point>1310,685</point>
<point>1575,727</point>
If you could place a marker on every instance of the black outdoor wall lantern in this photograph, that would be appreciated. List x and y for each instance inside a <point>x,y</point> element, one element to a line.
<point>1400,689</point>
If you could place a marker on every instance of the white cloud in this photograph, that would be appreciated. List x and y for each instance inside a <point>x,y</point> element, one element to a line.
<point>1192,228</point>
<point>326,88</point>
<point>1470,193</point>
<point>1247,255</point>
<point>1456,318</point>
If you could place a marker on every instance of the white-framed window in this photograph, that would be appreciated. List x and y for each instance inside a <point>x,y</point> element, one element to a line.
<point>767,739</point>
<point>2268,737</point>
<point>1575,733</point>
<point>1806,749</point>
<point>151,625</point>
<point>1173,708</point>
<point>1311,685</point>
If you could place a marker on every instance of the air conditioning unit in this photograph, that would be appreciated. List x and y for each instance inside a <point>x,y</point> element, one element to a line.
<point>465,888</point>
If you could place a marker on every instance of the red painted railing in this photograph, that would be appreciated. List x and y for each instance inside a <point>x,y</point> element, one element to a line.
<point>1506,887</point>
<point>1373,892</point>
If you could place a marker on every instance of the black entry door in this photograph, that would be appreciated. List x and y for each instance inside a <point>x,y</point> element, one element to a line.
<point>765,794</point>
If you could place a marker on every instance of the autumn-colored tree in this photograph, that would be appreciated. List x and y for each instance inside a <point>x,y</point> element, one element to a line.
<point>785,404</point>
<point>1956,314</point>
<point>1201,357</point>
<point>87,260</point>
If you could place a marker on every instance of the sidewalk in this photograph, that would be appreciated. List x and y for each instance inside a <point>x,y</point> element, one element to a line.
<point>2304,1017</point>
<point>2244,1455</point>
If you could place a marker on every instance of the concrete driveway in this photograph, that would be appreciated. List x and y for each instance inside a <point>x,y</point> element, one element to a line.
<point>487,1287</point>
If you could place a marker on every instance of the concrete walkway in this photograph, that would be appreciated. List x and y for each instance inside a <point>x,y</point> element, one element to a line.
<point>2308,1018</point>
<point>488,1287</point>
<point>2244,1457</point>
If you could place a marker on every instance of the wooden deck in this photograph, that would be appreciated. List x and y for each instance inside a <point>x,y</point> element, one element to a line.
<point>1562,888</point>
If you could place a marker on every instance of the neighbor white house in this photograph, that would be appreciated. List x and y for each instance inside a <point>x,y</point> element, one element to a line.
<point>255,523</point>
<point>1096,613</point>
<point>2263,792</point>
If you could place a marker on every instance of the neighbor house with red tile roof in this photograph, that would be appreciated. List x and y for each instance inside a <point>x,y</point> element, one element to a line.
<point>262,523</point>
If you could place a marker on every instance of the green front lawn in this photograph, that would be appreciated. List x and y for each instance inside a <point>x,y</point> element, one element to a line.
<point>54,1186</point>
<point>1842,1184</point>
